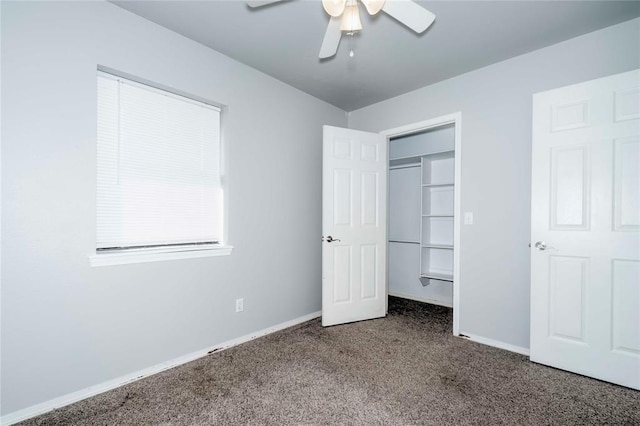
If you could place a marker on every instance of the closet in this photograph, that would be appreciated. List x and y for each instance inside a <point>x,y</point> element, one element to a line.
<point>421,215</point>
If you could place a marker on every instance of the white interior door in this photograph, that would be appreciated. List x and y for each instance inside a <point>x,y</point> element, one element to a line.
<point>354,221</point>
<point>585,255</point>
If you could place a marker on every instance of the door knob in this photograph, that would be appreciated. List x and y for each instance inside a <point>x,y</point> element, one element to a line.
<point>541,246</point>
<point>330,239</point>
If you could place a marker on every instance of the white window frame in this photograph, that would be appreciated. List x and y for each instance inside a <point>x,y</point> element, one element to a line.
<point>163,253</point>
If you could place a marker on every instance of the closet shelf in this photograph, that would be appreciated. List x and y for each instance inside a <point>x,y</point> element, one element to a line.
<point>436,248</point>
<point>437,276</point>
<point>447,153</point>
<point>404,162</point>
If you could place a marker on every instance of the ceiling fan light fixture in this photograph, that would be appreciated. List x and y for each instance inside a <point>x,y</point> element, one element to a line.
<point>334,7</point>
<point>373,6</point>
<point>351,18</point>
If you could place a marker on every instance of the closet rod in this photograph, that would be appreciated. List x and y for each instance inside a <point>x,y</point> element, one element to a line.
<point>404,166</point>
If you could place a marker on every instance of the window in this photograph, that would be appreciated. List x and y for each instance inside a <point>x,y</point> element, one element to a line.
<point>158,184</point>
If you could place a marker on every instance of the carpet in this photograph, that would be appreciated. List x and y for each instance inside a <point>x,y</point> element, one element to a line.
<point>405,369</point>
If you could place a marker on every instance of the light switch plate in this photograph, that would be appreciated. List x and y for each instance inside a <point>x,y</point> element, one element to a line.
<point>468,218</point>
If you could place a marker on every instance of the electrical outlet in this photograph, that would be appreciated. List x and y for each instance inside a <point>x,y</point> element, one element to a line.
<point>239,305</point>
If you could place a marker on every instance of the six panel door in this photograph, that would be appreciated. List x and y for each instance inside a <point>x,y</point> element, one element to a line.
<point>585,255</point>
<point>354,207</point>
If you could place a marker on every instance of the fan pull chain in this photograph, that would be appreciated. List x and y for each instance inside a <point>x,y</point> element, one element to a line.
<point>351,46</point>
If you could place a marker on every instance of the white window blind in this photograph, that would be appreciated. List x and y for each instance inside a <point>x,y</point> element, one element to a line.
<point>158,167</point>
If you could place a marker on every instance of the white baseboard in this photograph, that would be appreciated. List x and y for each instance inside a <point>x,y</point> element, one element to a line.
<point>496,344</point>
<point>52,404</point>
<point>421,299</point>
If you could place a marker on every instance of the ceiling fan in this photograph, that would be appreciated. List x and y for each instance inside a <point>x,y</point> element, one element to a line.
<point>345,17</point>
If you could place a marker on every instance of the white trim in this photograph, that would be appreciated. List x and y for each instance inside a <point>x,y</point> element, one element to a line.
<point>52,404</point>
<point>423,125</point>
<point>421,299</point>
<point>154,255</point>
<point>496,344</point>
<point>455,119</point>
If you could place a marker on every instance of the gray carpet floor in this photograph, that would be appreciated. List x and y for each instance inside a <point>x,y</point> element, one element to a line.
<point>405,369</point>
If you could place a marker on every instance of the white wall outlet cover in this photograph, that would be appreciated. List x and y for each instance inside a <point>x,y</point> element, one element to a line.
<point>468,218</point>
<point>239,305</point>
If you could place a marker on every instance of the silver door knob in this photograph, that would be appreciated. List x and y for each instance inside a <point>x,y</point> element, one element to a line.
<point>541,246</point>
<point>330,239</point>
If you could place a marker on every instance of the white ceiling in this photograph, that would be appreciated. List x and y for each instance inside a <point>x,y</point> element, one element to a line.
<point>283,40</point>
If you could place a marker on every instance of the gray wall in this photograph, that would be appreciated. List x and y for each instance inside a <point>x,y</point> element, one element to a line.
<point>495,102</point>
<point>67,326</point>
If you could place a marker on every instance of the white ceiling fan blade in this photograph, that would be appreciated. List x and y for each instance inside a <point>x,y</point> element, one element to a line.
<point>258,3</point>
<point>331,38</point>
<point>409,13</point>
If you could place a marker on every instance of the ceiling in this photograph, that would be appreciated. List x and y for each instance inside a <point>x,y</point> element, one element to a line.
<point>283,40</point>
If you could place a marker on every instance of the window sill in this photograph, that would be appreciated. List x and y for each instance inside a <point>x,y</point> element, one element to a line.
<point>155,255</point>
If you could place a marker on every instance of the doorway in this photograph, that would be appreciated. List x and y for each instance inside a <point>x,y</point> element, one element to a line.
<point>355,224</point>
<point>423,228</point>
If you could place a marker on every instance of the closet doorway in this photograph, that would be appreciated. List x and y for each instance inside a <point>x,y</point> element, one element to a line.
<point>423,230</point>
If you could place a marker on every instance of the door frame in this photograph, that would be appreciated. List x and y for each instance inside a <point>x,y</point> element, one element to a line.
<point>455,119</point>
